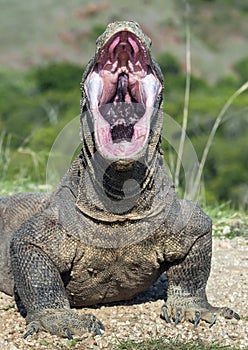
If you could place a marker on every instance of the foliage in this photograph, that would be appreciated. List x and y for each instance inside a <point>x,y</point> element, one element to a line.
<point>21,185</point>
<point>96,31</point>
<point>32,113</point>
<point>169,64</point>
<point>241,67</point>
<point>59,77</point>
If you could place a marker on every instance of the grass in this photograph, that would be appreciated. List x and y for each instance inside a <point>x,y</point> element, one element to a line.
<point>186,101</point>
<point>21,185</point>
<point>197,174</point>
<point>163,344</point>
<point>25,158</point>
<point>217,122</point>
<point>68,345</point>
<point>227,222</point>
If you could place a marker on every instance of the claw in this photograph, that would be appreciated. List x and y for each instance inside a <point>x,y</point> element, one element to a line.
<point>164,314</point>
<point>178,314</point>
<point>236,316</point>
<point>213,321</point>
<point>68,334</point>
<point>31,330</point>
<point>101,325</point>
<point>229,313</point>
<point>28,333</point>
<point>96,326</point>
<point>233,314</point>
<point>197,318</point>
<point>97,330</point>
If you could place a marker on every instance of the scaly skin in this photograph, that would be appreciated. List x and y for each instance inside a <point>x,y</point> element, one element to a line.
<point>96,241</point>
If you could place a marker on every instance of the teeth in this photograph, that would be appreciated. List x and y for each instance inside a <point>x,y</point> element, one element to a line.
<point>138,65</point>
<point>150,88</point>
<point>116,152</point>
<point>102,128</point>
<point>114,67</point>
<point>130,66</point>
<point>122,70</point>
<point>94,87</point>
<point>142,126</point>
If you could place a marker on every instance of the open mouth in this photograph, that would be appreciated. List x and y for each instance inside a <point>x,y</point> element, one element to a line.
<point>122,89</point>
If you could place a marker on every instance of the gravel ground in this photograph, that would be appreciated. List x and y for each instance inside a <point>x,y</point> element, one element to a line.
<point>139,320</point>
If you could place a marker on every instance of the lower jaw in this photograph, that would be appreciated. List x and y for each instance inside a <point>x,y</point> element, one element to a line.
<point>122,150</point>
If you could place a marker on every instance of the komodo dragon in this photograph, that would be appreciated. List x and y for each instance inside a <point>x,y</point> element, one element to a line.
<point>114,223</point>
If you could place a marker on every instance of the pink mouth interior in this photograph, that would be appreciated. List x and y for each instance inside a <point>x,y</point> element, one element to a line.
<point>122,89</point>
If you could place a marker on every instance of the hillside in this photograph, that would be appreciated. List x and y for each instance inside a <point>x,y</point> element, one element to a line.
<point>36,32</point>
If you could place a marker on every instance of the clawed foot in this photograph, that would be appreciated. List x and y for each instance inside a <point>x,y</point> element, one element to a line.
<point>64,323</point>
<point>194,312</point>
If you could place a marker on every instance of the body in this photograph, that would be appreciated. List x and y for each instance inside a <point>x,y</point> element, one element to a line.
<point>114,223</point>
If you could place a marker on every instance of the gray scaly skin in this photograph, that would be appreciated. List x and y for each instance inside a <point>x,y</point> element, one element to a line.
<point>112,226</point>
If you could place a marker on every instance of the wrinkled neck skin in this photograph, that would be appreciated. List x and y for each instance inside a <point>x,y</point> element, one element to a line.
<point>121,180</point>
<point>125,189</point>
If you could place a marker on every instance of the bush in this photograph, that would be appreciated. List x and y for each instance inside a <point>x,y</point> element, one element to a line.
<point>58,76</point>
<point>169,64</point>
<point>241,68</point>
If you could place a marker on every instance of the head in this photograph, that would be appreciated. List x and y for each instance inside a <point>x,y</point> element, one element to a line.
<point>122,93</point>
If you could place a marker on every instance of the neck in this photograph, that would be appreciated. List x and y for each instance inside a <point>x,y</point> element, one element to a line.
<point>117,191</point>
<point>120,190</point>
<point>118,185</point>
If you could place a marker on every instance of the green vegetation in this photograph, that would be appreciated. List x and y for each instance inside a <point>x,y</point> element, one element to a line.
<point>225,173</point>
<point>68,345</point>
<point>34,107</point>
<point>163,344</point>
<point>58,77</point>
<point>227,222</point>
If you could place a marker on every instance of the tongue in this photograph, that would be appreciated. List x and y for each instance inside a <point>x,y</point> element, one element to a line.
<point>122,86</point>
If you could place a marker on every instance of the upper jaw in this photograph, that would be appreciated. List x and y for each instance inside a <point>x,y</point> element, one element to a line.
<point>122,88</point>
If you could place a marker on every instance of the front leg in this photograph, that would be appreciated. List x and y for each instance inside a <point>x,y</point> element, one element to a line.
<point>187,277</point>
<point>38,258</point>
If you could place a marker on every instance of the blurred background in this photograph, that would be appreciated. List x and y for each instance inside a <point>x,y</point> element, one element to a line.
<point>45,45</point>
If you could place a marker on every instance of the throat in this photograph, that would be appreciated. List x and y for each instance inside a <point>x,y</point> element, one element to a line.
<point>116,189</point>
<point>116,192</point>
<point>124,185</point>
